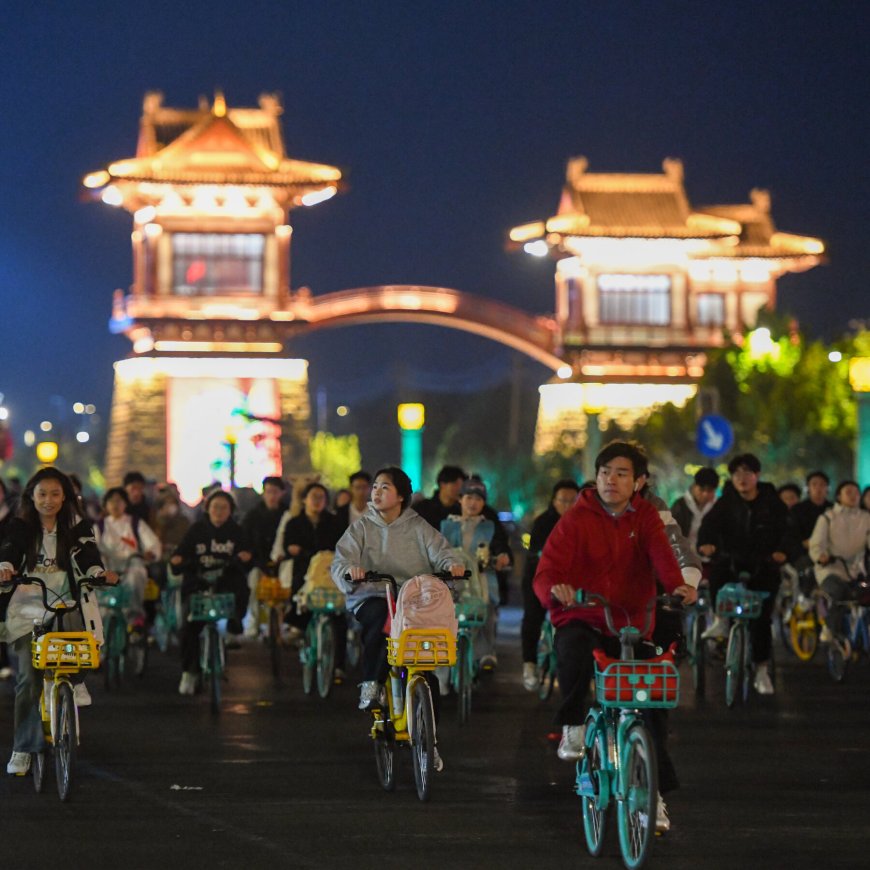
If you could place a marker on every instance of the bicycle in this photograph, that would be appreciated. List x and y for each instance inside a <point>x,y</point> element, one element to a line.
<point>59,654</point>
<point>740,605</point>
<point>546,663</point>
<point>470,617</point>
<point>406,716</point>
<point>619,764</point>
<point>317,653</point>
<point>211,607</point>
<point>166,616</point>
<point>273,597</point>
<point>113,602</point>
<point>697,617</point>
<point>851,637</point>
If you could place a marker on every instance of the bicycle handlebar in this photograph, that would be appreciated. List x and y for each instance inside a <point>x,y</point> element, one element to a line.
<point>24,580</point>
<point>593,599</point>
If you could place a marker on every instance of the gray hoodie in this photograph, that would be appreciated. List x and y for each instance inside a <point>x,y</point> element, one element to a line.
<point>404,548</point>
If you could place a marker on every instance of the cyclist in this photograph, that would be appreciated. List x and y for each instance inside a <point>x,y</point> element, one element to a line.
<point>360,489</point>
<point>745,531</point>
<point>486,542</point>
<point>393,539</point>
<point>445,500</point>
<point>49,540</point>
<point>789,493</point>
<point>121,535</point>
<point>261,524</point>
<point>842,531</point>
<point>690,508</point>
<point>564,495</point>
<point>802,517</point>
<point>135,486</point>
<point>214,542</point>
<point>611,542</point>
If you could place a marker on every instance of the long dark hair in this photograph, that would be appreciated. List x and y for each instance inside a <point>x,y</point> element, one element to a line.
<point>67,518</point>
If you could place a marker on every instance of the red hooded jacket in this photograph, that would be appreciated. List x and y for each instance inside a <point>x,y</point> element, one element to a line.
<point>617,557</point>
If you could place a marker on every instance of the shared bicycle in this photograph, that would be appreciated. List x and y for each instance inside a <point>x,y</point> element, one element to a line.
<point>317,653</point>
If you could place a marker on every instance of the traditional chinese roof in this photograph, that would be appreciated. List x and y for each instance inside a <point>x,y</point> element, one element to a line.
<point>627,205</point>
<point>758,234</point>
<point>215,145</point>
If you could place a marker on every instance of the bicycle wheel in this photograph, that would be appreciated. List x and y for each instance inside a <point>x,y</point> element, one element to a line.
<point>699,654</point>
<point>746,682</point>
<point>636,812</point>
<point>137,651</point>
<point>422,738</point>
<point>354,647</point>
<point>839,653</point>
<point>215,666</point>
<point>545,667</point>
<point>308,655</point>
<point>384,758</point>
<point>326,657</point>
<point>39,769</point>
<point>65,739</point>
<point>464,665</point>
<point>161,631</point>
<point>734,663</point>
<point>115,643</point>
<point>803,633</point>
<point>274,638</point>
<point>593,785</point>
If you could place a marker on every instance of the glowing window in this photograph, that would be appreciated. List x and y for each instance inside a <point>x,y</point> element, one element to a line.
<point>217,264</point>
<point>634,299</point>
<point>711,309</point>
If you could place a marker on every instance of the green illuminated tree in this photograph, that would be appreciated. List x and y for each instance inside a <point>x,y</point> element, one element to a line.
<point>335,457</point>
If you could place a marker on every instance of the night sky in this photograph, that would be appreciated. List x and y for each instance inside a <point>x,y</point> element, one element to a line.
<point>453,120</point>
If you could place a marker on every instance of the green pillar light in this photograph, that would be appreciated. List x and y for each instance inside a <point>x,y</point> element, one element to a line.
<point>859,378</point>
<point>412,417</point>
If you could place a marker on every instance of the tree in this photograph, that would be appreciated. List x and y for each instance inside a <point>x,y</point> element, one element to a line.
<point>335,457</point>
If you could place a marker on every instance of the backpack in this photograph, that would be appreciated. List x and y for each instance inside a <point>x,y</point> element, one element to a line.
<point>423,602</point>
<point>318,575</point>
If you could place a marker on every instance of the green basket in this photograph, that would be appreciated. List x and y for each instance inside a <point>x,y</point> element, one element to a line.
<point>638,684</point>
<point>211,608</point>
<point>323,599</point>
<point>112,597</point>
<point>735,601</point>
<point>471,612</point>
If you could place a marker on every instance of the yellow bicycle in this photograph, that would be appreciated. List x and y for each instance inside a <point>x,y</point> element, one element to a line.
<point>59,655</point>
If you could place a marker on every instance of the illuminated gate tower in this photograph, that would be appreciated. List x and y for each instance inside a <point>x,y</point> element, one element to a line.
<point>645,284</point>
<point>206,393</point>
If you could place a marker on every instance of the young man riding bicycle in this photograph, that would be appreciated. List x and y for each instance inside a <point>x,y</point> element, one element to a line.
<point>611,542</point>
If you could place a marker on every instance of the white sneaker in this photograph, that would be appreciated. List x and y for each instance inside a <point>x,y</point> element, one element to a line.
<point>19,764</point>
<point>825,636</point>
<point>5,672</point>
<point>81,695</point>
<point>489,662</point>
<point>187,686</point>
<point>663,823</point>
<point>437,760</point>
<point>572,746</point>
<point>369,692</point>
<point>718,628</point>
<point>762,682</point>
<point>530,677</point>
<point>339,676</point>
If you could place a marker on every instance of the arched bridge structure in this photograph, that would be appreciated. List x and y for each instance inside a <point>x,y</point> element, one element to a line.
<point>532,335</point>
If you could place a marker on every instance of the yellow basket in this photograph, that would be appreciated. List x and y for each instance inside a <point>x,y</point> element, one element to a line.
<point>270,589</point>
<point>152,590</point>
<point>65,651</point>
<point>423,648</point>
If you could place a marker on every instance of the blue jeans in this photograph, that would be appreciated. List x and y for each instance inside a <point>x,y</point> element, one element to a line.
<point>28,689</point>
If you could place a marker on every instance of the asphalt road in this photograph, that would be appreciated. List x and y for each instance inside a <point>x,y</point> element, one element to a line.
<point>281,779</point>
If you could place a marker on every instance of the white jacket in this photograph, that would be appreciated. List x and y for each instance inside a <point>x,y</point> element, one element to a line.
<point>843,532</point>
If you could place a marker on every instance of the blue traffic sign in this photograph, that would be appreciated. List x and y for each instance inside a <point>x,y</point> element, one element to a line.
<point>714,435</point>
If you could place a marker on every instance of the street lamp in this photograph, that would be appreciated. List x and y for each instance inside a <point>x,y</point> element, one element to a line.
<point>412,417</point>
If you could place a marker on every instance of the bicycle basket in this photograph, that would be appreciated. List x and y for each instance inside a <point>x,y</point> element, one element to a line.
<point>641,684</point>
<point>113,596</point>
<point>321,598</point>
<point>471,612</point>
<point>211,608</point>
<point>65,651</point>
<point>737,602</point>
<point>270,589</point>
<point>152,590</point>
<point>424,648</point>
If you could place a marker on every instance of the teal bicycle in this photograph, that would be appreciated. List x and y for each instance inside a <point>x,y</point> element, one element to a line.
<point>546,662</point>
<point>211,607</point>
<point>740,605</point>
<point>318,647</point>
<point>619,765</point>
<point>113,601</point>
<point>470,617</point>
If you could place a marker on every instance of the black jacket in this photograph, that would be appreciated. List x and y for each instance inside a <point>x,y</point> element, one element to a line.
<point>746,533</point>
<point>312,539</point>
<point>210,553</point>
<point>801,521</point>
<point>261,526</point>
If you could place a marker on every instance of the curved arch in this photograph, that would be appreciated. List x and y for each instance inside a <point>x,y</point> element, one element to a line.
<point>410,303</point>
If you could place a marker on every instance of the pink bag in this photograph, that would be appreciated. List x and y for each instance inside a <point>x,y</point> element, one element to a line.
<point>424,602</point>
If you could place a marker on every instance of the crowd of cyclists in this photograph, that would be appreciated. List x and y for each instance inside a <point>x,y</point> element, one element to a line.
<point>610,536</point>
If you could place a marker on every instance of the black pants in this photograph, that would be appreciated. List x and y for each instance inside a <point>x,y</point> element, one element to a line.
<point>533,614</point>
<point>190,631</point>
<point>576,665</point>
<point>372,614</point>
